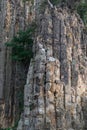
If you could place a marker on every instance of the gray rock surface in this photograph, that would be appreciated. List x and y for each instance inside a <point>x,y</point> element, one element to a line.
<point>55,94</point>
<point>13,17</point>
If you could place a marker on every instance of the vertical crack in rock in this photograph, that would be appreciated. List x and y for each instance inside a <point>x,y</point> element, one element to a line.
<point>44,96</point>
<point>55,104</point>
<point>56,99</point>
<point>12,20</point>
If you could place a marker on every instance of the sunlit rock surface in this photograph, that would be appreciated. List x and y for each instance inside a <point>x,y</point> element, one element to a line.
<point>55,94</point>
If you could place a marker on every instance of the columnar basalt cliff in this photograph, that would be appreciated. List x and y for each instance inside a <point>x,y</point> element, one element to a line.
<point>13,17</point>
<point>55,94</point>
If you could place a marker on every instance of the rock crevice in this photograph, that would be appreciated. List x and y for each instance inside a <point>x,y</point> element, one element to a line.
<point>56,87</point>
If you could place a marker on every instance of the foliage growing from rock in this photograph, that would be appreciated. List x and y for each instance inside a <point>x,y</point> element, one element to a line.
<point>82,10</point>
<point>21,45</point>
<point>80,6</point>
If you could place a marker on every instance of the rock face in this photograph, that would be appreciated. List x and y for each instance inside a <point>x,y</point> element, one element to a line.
<point>55,94</point>
<point>13,17</point>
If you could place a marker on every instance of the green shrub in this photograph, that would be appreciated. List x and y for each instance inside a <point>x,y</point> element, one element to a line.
<point>82,11</point>
<point>21,45</point>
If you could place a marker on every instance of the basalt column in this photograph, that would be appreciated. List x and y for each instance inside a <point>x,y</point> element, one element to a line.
<point>14,15</point>
<point>56,87</point>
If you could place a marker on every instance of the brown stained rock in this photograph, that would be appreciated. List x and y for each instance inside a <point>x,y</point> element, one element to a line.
<point>13,17</point>
<point>57,95</point>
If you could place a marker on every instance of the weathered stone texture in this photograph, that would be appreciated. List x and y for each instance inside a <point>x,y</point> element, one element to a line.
<point>56,88</point>
<point>14,15</point>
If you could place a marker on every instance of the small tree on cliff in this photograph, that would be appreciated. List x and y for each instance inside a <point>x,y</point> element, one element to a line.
<point>22,44</point>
